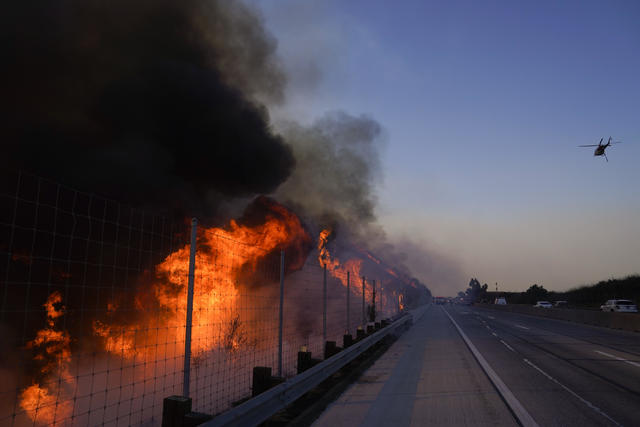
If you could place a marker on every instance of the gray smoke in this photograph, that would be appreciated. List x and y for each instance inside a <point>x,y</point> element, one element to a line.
<point>337,168</point>
<point>442,273</point>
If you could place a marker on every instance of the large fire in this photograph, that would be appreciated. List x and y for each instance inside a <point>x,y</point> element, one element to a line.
<point>225,258</point>
<point>230,264</point>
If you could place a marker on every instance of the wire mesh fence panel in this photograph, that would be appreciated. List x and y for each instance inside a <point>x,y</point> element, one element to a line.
<point>303,315</point>
<point>76,271</point>
<point>337,307</point>
<point>94,305</point>
<point>235,318</point>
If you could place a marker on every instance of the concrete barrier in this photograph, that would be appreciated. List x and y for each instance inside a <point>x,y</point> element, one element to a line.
<point>624,321</point>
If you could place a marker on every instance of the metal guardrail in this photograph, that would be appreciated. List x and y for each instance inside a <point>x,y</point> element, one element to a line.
<point>263,406</point>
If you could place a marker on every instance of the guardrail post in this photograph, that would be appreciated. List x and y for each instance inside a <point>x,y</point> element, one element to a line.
<point>174,409</point>
<point>187,337</point>
<point>261,380</point>
<point>324,304</point>
<point>280,314</point>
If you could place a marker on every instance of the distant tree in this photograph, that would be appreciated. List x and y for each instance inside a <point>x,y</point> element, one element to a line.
<point>595,295</point>
<point>535,293</point>
<point>475,292</point>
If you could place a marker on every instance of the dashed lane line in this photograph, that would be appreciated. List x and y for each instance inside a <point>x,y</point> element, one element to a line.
<point>618,358</point>
<point>507,345</point>
<point>573,393</point>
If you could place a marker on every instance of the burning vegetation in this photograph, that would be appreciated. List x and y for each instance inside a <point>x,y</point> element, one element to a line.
<point>228,262</point>
<point>232,262</point>
<point>47,399</point>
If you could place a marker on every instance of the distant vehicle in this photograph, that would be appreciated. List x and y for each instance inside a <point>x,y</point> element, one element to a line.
<point>599,151</point>
<point>464,301</point>
<point>543,304</point>
<point>500,301</point>
<point>620,306</point>
<point>561,304</point>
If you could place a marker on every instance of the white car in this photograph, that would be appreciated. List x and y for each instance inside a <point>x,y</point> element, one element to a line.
<point>543,304</point>
<point>620,306</point>
<point>500,301</point>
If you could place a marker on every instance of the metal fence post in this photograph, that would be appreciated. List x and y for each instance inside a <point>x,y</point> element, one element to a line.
<point>348,297</point>
<point>324,306</point>
<point>281,313</point>
<point>364,284</point>
<point>187,338</point>
<point>373,302</point>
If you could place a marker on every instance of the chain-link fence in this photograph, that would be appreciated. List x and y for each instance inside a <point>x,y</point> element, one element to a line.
<point>94,308</point>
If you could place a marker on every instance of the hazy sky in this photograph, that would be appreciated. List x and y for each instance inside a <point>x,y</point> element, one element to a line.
<point>483,105</point>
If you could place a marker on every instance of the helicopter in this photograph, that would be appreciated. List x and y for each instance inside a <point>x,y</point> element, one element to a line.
<point>599,151</point>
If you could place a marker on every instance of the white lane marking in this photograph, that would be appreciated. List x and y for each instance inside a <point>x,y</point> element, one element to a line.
<point>516,407</point>
<point>491,317</point>
<point>494,334</point>
<point>520,326</point>
<point>508,346</point>
<point>586,402</point>
<point>618,358</point>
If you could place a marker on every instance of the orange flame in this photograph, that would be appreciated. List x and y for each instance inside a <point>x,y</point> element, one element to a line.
<point>43,406</point>
<point>372,258</point>
<point>335,268</point>
<point>40,400</point>
<point>225,258</point>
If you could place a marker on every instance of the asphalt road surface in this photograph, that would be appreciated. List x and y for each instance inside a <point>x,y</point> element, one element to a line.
<point>526,369</point>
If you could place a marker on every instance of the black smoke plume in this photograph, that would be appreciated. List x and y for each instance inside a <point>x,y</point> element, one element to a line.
<point>155,102</point>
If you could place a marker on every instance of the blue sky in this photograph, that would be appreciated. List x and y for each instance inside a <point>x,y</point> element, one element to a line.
<point>483,105</point>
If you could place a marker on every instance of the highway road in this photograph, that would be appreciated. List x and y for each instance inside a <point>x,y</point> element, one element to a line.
<point>463,365</point>
<point>563,373</point>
